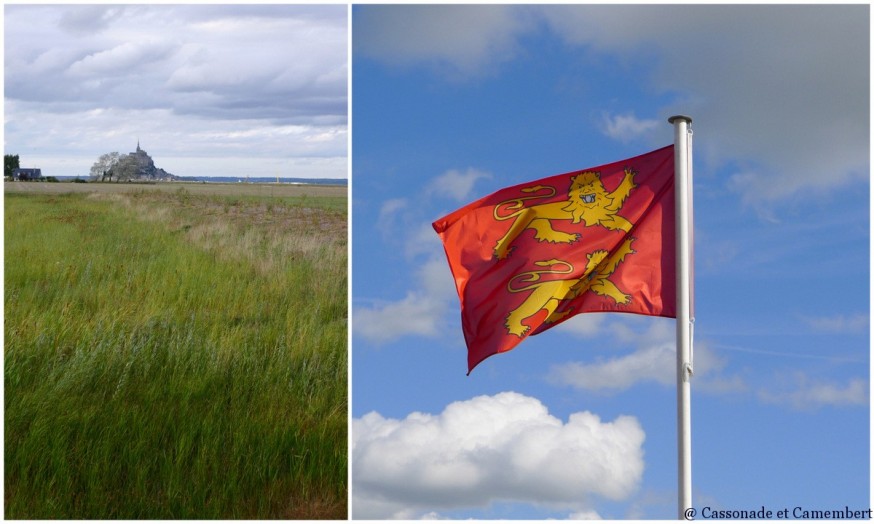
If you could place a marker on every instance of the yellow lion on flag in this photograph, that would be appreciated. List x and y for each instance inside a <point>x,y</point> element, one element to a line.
<point>549,294</point>
<point>588,202</point>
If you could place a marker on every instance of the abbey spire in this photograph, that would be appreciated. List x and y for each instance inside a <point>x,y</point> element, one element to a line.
<point>145,166</point>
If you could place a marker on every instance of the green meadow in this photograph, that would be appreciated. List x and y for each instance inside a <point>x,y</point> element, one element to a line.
<point>175,354</point>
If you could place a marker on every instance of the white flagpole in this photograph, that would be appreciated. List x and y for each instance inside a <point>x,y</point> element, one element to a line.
<point>682,185</point>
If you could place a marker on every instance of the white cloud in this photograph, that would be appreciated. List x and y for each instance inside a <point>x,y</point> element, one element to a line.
<point>457,185</point>
<point>437,280</point>
<point>627,127</point>
<point>504,447</point>
<point>721,385</point>
<point>857,323</point>
<point>119,59</point>
<point>586,326</point>
<point>422,311</point>
<point>388,213</point>
<point>651,364</point>
<point>652,361</point>
<point>643,330</point>
<point>709,375</point>
<point>423,240</point>
<point>416,314</point>
<point>799,392</point>
<point>88,19</point>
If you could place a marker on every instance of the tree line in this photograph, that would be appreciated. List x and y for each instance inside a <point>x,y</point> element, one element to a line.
<point>108,166</point>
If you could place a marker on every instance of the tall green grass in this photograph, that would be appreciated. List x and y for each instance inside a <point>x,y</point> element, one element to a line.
<point>174,357</point>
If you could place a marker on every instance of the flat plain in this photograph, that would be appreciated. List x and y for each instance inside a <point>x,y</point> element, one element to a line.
<point>175,351</point>
<point>214,189</point>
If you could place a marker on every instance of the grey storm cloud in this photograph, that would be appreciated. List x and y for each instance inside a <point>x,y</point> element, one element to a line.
<point>260,88</point>
<point>140,57</point>
<point>88,19</point>
<point>780,91</point>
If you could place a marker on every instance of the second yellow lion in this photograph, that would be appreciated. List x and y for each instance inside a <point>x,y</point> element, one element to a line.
<point>548,295</point>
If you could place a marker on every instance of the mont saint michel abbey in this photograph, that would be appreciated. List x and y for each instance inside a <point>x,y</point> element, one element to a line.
<point>146,166</point>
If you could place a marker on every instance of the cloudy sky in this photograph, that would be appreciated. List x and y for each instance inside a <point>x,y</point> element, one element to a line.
<point>451,103</point>
<point>218,90</point>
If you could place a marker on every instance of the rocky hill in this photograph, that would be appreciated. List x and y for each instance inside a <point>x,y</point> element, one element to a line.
<point>146,169</point>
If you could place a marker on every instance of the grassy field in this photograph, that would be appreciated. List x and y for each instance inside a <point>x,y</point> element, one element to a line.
<point>172,354</point>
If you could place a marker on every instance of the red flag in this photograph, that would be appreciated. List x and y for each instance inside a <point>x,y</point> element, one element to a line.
<point>529,257</point>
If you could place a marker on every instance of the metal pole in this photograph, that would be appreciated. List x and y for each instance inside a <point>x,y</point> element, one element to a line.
<point>682,183</point>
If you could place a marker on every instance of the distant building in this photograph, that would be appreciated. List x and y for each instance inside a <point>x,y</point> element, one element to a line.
<point>146,169</point>
<point>27,173</point>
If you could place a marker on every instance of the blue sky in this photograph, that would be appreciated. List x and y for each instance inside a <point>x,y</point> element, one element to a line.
<point>208,90</point>
<point>451,103</point>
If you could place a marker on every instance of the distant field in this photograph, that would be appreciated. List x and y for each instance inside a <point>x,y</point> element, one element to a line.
<point>229,189</point>
<point>177,353</point>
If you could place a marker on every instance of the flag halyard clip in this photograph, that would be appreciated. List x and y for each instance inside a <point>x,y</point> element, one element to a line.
<point>688,369</point>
